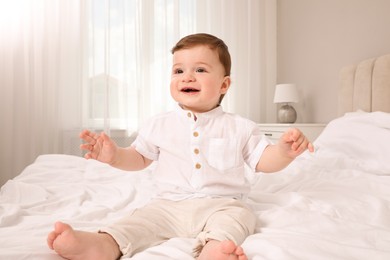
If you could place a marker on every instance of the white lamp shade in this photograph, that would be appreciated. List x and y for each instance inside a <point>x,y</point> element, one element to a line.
<point>286,93</point>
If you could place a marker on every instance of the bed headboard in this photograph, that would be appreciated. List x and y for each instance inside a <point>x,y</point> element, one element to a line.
<point>365,86</point>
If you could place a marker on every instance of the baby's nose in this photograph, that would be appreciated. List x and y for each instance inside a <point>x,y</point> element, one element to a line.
<point>188,77</point>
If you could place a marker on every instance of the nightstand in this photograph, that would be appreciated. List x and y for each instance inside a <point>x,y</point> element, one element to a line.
<point>275,131</point>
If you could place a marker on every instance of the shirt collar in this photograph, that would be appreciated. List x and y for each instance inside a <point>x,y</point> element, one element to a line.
<point>199,116</point>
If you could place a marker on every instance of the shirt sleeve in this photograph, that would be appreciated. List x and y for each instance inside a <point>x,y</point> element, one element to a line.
<point>255,146</point>
<point>143,145</point>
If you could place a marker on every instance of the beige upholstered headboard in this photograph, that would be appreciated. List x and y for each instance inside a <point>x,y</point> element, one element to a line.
<point>365,86</point>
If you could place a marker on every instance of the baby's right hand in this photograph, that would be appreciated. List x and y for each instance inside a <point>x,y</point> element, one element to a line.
<point>99,146</point>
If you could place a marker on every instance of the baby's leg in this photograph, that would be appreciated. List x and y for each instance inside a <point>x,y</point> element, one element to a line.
<point>74,245</point>
<point>225,250</point>
<point>230,223</point>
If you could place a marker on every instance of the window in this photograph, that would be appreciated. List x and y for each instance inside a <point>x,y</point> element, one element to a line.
<point>129,56</point>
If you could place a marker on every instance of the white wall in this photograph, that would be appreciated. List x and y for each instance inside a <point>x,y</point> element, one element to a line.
<point>316,38</point>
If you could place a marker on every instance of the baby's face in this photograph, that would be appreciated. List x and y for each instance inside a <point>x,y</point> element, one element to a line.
<point>198,80</point>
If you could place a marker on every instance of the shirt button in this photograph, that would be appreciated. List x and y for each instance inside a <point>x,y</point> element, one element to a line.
<point>196,134</point>
<point>196,151</point>
<point>198,166</point>
<point>189,114</point>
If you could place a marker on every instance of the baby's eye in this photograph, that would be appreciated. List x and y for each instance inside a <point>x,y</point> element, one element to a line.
<point>177,71</point>
<point>200,70</point>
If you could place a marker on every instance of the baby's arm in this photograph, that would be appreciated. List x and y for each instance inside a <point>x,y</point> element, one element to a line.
<point>102,148</point>
<point>278,156</point>
<point>130,160</point>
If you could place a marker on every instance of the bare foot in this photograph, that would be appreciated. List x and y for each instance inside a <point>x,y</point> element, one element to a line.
<point>75,245</point>
<point>225,250</point>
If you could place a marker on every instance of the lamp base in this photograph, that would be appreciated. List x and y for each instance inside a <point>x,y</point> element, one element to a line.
<point>287,114</point>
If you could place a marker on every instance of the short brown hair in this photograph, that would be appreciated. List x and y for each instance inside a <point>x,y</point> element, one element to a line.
<point>212,42</point>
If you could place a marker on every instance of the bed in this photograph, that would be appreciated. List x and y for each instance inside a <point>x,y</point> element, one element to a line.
<point>330,204</point>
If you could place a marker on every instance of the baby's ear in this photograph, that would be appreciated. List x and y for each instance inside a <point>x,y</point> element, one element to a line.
<point>225,84</point>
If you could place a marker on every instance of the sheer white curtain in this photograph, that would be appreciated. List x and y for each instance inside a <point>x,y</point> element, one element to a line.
<point>105,65</point>
<point>40,80</point>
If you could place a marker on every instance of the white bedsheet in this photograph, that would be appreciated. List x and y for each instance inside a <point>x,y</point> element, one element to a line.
<point>333,204</point>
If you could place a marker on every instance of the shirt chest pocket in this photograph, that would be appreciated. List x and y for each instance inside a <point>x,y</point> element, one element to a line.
<point>222,153</point>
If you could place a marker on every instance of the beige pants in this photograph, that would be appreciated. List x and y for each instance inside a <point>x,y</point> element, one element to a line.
<point>204,219</point>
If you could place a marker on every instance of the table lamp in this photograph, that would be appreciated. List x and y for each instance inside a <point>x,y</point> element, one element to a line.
<point>286,93</point>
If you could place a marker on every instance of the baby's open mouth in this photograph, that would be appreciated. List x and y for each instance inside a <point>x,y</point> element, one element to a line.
<point>189,90</point>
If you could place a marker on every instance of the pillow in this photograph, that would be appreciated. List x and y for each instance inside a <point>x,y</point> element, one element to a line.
<point>360,136</point>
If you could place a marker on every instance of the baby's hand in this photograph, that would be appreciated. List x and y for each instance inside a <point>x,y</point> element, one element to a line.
<point>99,146</point>
<point>294,142</point>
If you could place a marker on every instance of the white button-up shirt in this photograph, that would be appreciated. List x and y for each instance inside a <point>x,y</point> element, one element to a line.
<point>201,155</point>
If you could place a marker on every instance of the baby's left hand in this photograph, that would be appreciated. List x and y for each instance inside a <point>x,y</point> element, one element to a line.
<point>294,142</point>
